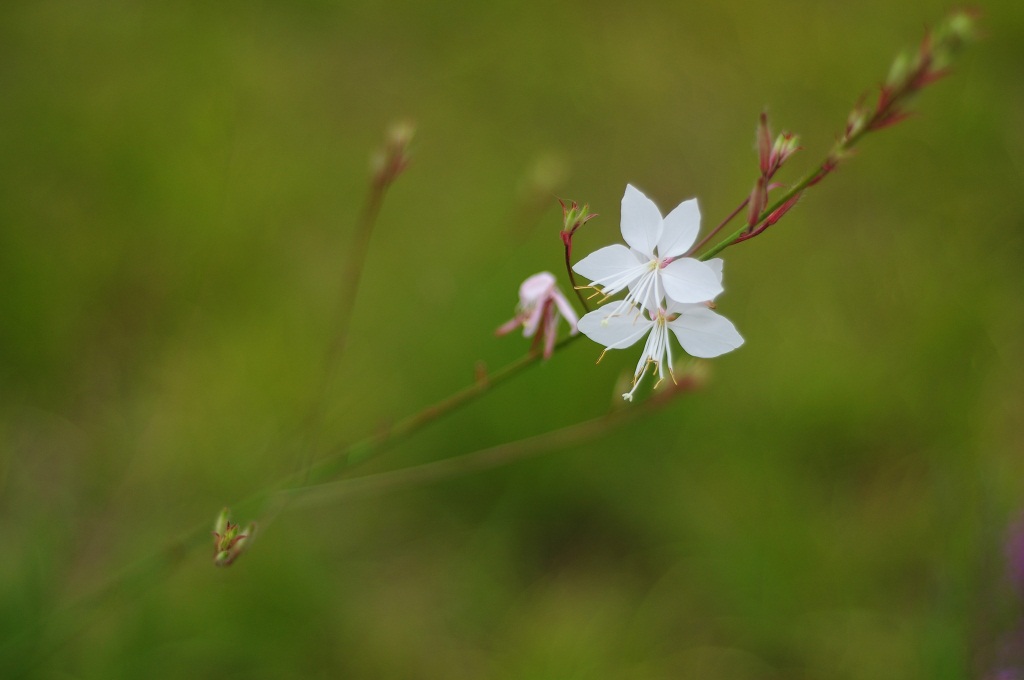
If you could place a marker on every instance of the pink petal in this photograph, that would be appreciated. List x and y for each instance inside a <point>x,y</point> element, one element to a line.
<point>550,332</point>
<point>568,313</point>
<point>531,319</point>
<point>509,326</point>
<point>535,287</point>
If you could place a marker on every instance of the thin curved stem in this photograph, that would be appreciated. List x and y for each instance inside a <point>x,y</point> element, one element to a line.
<point>376,443</point>
<point>391,162</point>
<point>572,277</point>
<point>805,182</point>
<point>711,234</point>
<point>483,459</point>
<point>265,504</point>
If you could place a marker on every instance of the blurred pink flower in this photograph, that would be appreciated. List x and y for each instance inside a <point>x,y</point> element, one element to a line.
<point>540,303</point>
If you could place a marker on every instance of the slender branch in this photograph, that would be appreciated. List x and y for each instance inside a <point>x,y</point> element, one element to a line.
<point>572,276</point>
<point>484,459</point>
<point>711,234</point>
<point>809,179</point>
<point>907,76</point>
<point>377,443</point>
<point>389,163</point>
<point>265,505</point>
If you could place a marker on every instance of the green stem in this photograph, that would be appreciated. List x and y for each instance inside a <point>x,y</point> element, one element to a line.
<point>711,234</point>
<point>263,505</point>
<point>483,459</point>
<point>878,117</point>
<point>839,151</point>
<point>793,191</point>
<point>351,278</point>
<point>376,443</point>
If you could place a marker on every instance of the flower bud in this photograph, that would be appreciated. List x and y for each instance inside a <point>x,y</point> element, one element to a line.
<point>574,217</point>
<point>778,213</point>
<point>898,71</point>
<point>393,158</point>
<point>856,120</point>
<point>228,540</point>
<point>962,26</point>
<point>757,202</point>
<point>785,146</point>
<point>953,34</point>
<point>400,135</point>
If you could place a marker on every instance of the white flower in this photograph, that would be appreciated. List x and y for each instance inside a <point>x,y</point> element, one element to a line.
<point>652,268</point>
<point>540,301</point>
<point>700,331</point>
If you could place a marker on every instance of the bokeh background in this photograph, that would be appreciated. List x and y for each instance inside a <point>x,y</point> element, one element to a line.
<point>179,187</point>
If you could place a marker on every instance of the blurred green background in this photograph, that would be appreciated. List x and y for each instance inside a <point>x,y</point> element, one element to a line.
<point>179,186</point>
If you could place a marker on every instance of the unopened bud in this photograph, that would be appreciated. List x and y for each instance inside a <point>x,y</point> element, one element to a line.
<point>574,217</point>
<point>778,213</point>
<point>962,26</point>
<point>229,541</point>
<point>898,71</point>
<point>856,120</point>
<point>785,146</point>
<point>757,202</point>
<point>400,134</point>
<point>393,158</point>
<point>959,29</point>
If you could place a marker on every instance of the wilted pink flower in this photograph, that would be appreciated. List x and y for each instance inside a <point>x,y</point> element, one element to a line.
<point>540,303</point>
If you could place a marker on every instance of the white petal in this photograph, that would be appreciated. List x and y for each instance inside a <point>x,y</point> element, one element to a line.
<point>616,331</point>
<point>688,280</point>
<point>641,221</point>
<point>679,229</point>
<point>606,265</point>
<point>716,265</point>
<point>702,333</point>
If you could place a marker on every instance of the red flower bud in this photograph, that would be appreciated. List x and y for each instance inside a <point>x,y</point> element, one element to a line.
<point>757,203</point>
